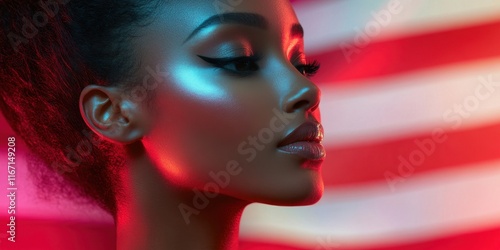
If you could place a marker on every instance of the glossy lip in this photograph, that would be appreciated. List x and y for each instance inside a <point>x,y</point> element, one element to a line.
<point>305,141</point>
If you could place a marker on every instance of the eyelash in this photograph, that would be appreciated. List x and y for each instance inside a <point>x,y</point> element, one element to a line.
<point>307,69</point>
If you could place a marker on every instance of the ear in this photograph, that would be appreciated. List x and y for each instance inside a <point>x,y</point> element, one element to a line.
<point>110,115</point>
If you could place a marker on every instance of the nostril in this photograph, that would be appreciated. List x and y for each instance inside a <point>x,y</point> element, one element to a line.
<point>300,104</point>
<point>316,106</point>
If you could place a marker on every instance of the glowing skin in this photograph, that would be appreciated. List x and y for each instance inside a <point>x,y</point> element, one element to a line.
<point>204,121</point>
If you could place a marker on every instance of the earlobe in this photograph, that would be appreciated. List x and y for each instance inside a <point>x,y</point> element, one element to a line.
<point>110,116</point>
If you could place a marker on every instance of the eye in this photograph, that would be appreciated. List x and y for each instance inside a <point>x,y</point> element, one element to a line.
<point>309,69</point>
<point>243,65</point>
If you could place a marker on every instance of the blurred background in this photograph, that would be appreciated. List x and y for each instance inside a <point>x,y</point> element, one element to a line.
<point>411,110</point>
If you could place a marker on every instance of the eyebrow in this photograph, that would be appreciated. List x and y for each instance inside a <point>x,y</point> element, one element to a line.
<point>248,19</point>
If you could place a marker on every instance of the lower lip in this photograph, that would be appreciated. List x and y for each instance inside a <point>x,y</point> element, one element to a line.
<point>308,150</point>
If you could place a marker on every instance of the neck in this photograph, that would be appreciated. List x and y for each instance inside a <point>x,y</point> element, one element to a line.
<point>154,214</point>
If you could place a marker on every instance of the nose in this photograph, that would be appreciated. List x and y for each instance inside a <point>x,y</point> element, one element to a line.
<point>303,95</point>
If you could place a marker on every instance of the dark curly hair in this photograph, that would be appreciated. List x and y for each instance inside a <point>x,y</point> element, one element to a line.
<point>51,50</point>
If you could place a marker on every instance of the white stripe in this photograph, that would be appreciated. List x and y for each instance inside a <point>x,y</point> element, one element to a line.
<point>409,104</point>
<point>440,204</point>
<point>327,23</point>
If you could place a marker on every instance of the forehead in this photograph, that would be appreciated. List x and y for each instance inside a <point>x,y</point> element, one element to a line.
<point>183,17</point>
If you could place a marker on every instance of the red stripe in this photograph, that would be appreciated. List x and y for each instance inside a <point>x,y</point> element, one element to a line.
<point>255,245</point>
<point>411,53</point>
<point>484,240</point>
<point>36,234</point>
<point>57,235</point>
<point>363,163</point>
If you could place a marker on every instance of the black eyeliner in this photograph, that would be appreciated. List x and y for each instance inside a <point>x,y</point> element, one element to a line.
<point>223,61</point>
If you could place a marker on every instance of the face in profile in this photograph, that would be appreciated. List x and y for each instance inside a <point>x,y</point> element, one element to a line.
<point>235,112</point>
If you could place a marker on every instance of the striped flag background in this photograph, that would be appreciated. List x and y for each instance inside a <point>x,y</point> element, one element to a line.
<point>411,110</point>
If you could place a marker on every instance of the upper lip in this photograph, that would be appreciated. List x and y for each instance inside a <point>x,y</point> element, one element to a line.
<point>308,131</point>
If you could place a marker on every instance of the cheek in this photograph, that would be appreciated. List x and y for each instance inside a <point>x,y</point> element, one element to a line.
<point>201,121</point>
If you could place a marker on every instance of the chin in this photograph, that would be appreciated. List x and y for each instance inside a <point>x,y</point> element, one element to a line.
<point>309,192</point>
<point>306,198</point>
<point>297,195</point>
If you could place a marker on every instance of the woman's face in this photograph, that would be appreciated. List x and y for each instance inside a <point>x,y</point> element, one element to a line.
<point>236,87</point>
